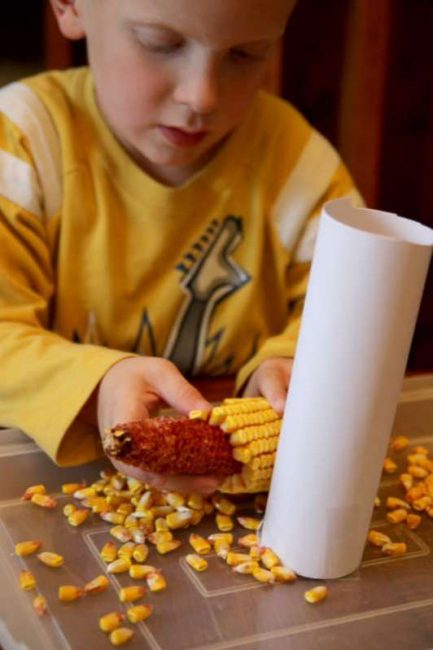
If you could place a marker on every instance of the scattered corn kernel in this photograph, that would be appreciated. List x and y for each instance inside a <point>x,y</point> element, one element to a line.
<point>263,575</point>
<point>69,593</point>
<point>98,584</point>
<point>179,519</point>
<point>43,500</point>
<point>406,480</point>
<point>120,565</point>
<point>199,544</point>
<point>116,518</point>
<point>84,493</point>
<point>126,550</point>
<point>247,541</point>
<point>140,553</point>
<point>40,605</point>
<point>397,516</point>
<point>399,443</point>
<point>250,523</point>
<point>234,558</point>
<point>395,549</point>
<point>121,533</point>
<point>156,581</point>
<point>70,488</point>
<point>377,502</point>
<point>394,502</point>
<point>316,594</point>
<point>413,521</point>
<point>377,538</point>
<point>69,508</point>
<point>108,552</point>
<point>27,580</point>
<point>247,567</point>
<point>111,621</point>
<point>34,489</point>
<point>121,635</point>
<point>139,613</point>
<point>283,574</point>
<point>223,505</point>
<point>269,558</point>
<point>78,517</point>
<point>196,562</point>
<point>168,546</point>
<point>27,548</point>
<point>423,503</point>
<point>131,593</point>
<point>51,559</point>
<point>389,466</point>
<point>224,523</point>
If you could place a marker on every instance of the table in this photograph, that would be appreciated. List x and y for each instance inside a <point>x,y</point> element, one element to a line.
<point>387,603</point>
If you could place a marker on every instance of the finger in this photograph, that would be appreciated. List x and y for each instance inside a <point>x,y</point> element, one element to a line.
<point>177,391</point>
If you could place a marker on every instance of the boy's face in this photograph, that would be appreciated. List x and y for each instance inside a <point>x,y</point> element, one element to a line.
<point>175,77</point>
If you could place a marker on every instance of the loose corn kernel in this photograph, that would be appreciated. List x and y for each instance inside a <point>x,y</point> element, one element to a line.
<point>255,553</point>
<point>247,541</point>
<point>196,562</point>
<point>156,581</point>
<point>377,502</point>
<point>422,503</point>
<point>161,511</point>
<point>27,548</point>
<point>234,558</point>
<point>140,553</point>
<point>84,493</point>
<point>413,521</point>
<point>196,517</point>
<point>316,594</point>
<point>195,501</point>
<point>140,571</point>
<point>168,546</point>
<point>131,593</point>
<point>34,489</point>
<point>70,488</point>
<point>126,550</point>
<point>199,544</point>
<point>139,613</point>
<point>406,480</point>
<point>98,584</point>
<point>125,509</point>
<point>121,533</point>
<point>224,522</point>
<point>121,565</point>
<point>51,559</point>
<point>69,508</point>
<point>130,522</point>
<point>247,567</point>
<point>397,516</point>
<point>226,537</point>
<point>44,501</point>
<point>263,575</point>
<point>111,621</point>
<point>250,523</point>
<point>78,517</point>
<point>394,502</point>
<point>179,519</point>
<point>69,593</point>
<point>221,548</point>
<point>159,536</point>
<point>138,535</point>
<point>40,605</point>
<point>121,635</point>
<point>419,449</point>
<point>116,518</point>
<point>269,558</point>
<point>395,549</point>
<point>389,466</point>
<point>161,524</point>
<point>175,499</point>
<point>416,471</point>
<point>108,552</point>
<point>27,580</point>
<point>283,574</point>
<point>223,505</point>
<point>377,538</point>
<point>399,443</point>
<point>415,492</point>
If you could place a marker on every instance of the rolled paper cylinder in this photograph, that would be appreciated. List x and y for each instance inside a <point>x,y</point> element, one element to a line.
<point>365,288</point>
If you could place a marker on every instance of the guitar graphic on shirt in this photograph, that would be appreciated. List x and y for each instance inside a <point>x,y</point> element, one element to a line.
<point>210,275</point>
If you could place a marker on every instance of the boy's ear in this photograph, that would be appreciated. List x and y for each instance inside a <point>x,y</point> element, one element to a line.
<point>69,18</point>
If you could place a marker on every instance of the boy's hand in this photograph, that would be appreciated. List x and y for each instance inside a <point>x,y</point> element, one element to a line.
<point>133,389</point>
<point>271,380</point>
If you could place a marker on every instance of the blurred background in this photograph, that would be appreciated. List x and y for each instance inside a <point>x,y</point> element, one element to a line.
<point>360,70</point>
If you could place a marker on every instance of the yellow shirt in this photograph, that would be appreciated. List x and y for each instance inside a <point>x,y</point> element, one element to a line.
<point>100,261</point>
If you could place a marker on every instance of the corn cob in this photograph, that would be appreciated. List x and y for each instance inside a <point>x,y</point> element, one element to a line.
<point>236,440</point>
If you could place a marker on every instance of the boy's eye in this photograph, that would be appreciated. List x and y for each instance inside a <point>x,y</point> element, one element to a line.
<point>249,55</point>
<point>160,48</point>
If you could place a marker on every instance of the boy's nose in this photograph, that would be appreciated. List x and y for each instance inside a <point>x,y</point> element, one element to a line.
<point>198,88</point>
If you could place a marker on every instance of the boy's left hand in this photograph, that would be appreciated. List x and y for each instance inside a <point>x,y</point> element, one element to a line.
<point>271,380</point>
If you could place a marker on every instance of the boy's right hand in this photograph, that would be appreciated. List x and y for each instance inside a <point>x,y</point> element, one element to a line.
<point>133,389</point>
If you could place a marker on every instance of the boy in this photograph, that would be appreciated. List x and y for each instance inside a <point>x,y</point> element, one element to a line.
<point>157,220</point>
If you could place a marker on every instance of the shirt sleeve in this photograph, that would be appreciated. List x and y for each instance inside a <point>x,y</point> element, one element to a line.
<point>45,380</point>
<point>284,343</point>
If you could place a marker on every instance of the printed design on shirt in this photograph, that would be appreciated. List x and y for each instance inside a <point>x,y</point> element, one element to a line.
<point>209,275</point>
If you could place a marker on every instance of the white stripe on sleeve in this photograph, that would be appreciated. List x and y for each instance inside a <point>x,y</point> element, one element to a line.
<point>24,108</point>
<point>19,183</point>
<point>308,181</point>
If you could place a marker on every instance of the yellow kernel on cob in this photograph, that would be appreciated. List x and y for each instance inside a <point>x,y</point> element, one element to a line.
<point>53,560</point>
<point>250,523</point>
<point>389,467</point>
<point>179,519</point>
<point>223,505</point>
<point>34,489</point>
<point>121,635</point>
<point>40,605</point>
<point>111,621</point>
<point>108,552</point>
<point>27,548</point>
<point>196,562</point>
<point>233,422</point>
<point>43,500</point>
<point>397,516</point>
<point>250,433</point>
<point>98,584</point>
<point>247,541</point>
<point>269,559</point>
<point>283,574</point>
<point>120,565</point>
<point>121,533</point>
<point>247,567</point>
<point>413,521</point>
<point>224,523</point>
<point>199,544</point>
<point>27,580</point>
<point>376,538</point>
<point>131,593</point>
<point>78,517</point>
<point>139,613</point>
<point>168,546</point>
<point>394,502</point>
<point>126,550</point>
<point>69,508</point>
<point>156,581</point>
<point>264,461</point>
<point>394,549</point>
<point>70,488</point>
<point>263,575</point>
<point>69,593</point>
<point>233,558</point>
<point>140,553</point>
<point>316,594</point>
<point>399,443</point>
<point>242,454</point>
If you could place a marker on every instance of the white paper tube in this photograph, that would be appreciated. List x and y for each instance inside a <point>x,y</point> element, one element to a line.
<point>366,283</point>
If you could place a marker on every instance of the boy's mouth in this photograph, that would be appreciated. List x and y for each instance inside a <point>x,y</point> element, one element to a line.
<point>181,138</point>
